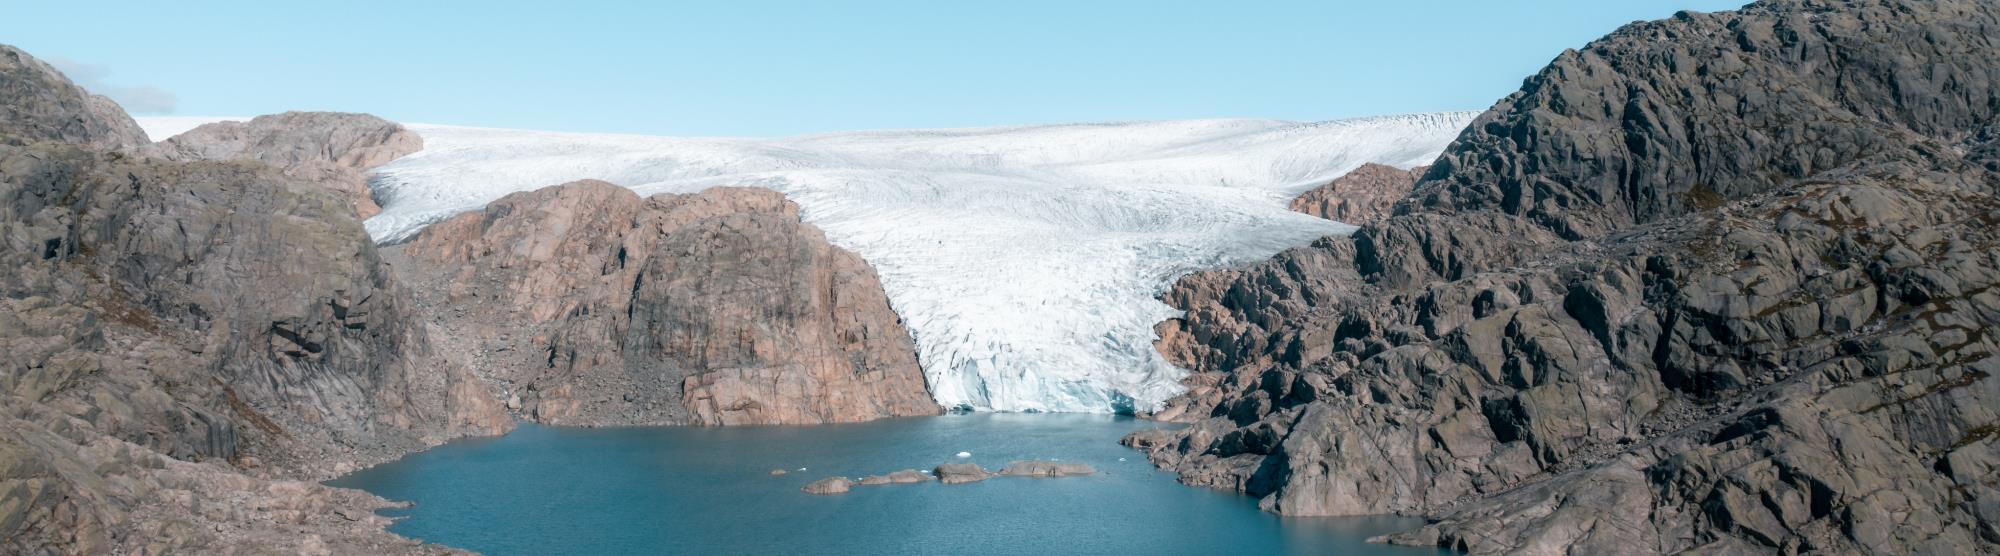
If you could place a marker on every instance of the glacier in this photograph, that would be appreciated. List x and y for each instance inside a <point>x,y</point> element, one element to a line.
<point>1025,260</point>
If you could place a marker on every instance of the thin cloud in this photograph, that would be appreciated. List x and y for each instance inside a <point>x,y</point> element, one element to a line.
<point>137,99</point>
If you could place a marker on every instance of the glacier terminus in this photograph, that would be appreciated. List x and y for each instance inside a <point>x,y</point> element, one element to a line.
<point>1026,260</point>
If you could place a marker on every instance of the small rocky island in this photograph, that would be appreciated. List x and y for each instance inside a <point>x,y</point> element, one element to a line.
<point>955,474</point>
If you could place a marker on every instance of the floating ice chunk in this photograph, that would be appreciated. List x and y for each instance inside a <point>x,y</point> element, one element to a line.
<point>964,454</point>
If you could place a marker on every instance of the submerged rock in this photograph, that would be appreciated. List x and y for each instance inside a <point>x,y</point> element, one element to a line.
<point>1043,468</point>
<point>959,473</point>
<point>829,485</point>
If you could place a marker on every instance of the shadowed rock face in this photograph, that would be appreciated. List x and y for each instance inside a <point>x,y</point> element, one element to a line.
<point>1723,281</point>
<point>718,308</point>
<point>332,149</point>
<point>38,104</point>
<point>186,342</point>
<point>1363,196</point>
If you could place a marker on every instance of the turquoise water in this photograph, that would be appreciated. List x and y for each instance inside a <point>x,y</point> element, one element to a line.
<point>691,490</point>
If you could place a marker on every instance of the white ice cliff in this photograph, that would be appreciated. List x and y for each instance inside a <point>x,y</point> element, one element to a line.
<point>1026,260</point>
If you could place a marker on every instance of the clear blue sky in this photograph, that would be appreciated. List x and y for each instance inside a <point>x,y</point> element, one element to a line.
<point>732,67</point>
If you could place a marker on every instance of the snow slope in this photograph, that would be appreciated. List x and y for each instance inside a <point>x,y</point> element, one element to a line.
<point>1026,260</point>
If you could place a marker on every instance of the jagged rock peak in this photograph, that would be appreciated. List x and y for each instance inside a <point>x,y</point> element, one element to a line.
<point>1668,117</point>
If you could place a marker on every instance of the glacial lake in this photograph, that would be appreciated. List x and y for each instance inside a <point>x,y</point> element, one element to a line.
<point>708,490</point>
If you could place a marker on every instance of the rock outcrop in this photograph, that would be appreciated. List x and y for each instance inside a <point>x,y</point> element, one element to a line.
<point>332,149</point>
<point>599,307</point>
<point>830,485</point>
<point>961,473</point>
<point>1723,282</point>
<point>37,103</point>
<point>904,477</point>
<point>187,341</point>
<point>1364,196</point>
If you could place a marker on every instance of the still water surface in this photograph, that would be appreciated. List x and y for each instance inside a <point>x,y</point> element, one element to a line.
<point>696,490</point>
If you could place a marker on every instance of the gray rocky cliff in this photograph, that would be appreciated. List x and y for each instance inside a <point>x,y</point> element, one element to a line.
<point>332,149</point>
<point>599,307</point>
<point>1720,282</point>
<point>189,345</point>
<point>40,104</point>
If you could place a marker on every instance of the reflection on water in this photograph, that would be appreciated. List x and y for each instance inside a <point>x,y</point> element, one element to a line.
<point>689,490</point>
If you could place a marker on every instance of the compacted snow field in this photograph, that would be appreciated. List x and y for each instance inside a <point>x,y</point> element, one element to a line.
<point>1026,260</point>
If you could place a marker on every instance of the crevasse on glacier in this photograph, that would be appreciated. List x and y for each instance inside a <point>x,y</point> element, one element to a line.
<point>1026,260</point>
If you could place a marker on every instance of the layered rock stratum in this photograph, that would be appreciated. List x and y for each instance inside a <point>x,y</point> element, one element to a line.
<point>190,344</point>
<point>595,306</point>
<point>1363,196</point>
<point>332,149</point>
<point>1722,282</point>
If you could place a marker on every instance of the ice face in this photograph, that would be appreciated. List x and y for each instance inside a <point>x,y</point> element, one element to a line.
<point>1025,260</point>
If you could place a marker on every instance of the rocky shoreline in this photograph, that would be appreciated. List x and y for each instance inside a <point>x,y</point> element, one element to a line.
<point>1718,283</point>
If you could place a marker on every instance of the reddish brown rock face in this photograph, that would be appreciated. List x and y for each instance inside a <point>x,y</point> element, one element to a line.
<point>1363,196</point>
<point>718,308</point>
